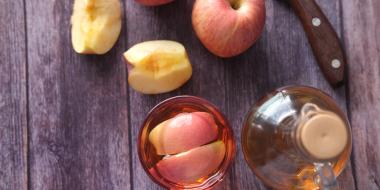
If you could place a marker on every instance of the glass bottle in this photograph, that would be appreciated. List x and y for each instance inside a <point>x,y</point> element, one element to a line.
<point>150,158</point>
<point>297,138</point>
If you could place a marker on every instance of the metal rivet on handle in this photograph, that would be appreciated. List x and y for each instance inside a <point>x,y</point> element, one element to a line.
<point>316,21</point>
<point>336,63</point>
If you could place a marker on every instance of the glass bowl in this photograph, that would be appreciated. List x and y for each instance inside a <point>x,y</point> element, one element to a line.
<point>168,109</point>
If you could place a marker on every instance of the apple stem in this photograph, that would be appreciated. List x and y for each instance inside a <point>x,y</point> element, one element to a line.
<point>235,4</point>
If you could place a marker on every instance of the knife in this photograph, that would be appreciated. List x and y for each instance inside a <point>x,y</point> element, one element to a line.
<point>323,39</point>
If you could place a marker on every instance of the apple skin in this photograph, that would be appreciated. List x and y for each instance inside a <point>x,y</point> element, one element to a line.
<point>183,132</point>
<point>153,2</point>
<point>225,31</point>
<point>189,167</point>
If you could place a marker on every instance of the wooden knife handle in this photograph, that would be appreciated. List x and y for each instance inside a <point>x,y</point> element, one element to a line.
<point>323,39</point>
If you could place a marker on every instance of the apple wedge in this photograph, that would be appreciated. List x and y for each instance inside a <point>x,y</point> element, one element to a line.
<point>153,2</point>
<point>96,25</point>
<point>183,132</point>
<point>156,67</point>
<point>190,166</point>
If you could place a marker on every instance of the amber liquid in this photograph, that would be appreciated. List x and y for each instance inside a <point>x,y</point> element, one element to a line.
<point>269,144</point>
<point>168,110</point>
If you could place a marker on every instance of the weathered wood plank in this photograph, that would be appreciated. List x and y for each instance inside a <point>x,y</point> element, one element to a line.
<point>281,57</point>
<point>13,98</point>
<point>244,78</point>
<point>362,38</point>
<point>78,107</point>
<point>173,22</point>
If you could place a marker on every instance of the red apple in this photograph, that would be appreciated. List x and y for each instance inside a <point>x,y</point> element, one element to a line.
<point>228,27</point>
<point>153,2</point>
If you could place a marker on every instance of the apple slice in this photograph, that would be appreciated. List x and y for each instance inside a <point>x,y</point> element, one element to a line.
<point>190,166</point>
<point>157,66</point>
<point>183,132</point>
<point>96,25</point>
<point>153,2</point>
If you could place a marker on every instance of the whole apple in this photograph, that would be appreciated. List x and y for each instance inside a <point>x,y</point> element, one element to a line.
<point>228,27</point>
<point>153,2</point>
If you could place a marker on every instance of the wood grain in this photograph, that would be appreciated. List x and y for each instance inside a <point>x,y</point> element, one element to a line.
<point>323,40</point>
<point>69,121</point>
<point>13,98</point>
<point>78,107</point>
<point>172,22</point>
<point>237,82</point>
<point>281,57</point>
<point>362,39</point>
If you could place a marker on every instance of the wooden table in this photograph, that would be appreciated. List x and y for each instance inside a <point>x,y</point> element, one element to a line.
<point>69,121</point>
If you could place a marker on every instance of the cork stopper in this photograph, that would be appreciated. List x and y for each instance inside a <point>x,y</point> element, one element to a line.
<point>324,135</point>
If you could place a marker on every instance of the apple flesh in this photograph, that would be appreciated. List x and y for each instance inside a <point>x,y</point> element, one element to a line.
<point>156,67</point>
<point>228,27</point>
<point>190,166</point>
<point>96,25</point>
<point>183,132</point>
<point>153,2</point>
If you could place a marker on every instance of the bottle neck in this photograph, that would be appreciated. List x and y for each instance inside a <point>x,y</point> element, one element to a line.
<point>321,135</point>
